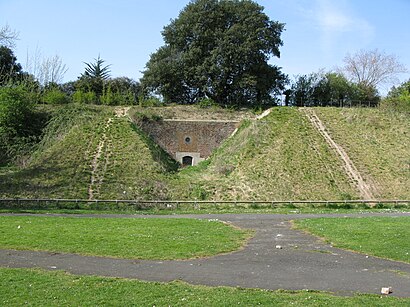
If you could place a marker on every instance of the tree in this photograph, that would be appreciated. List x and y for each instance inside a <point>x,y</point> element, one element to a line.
<point>218,49</point>
<point>46,70</point>
<point>330,89</point>
<point>97,69</point>
<point>8,37</point>
<point>94,76</point>
<point>398,99</point>
<point>17,120</point>
<point>370,69</point>
<point>9,68</point>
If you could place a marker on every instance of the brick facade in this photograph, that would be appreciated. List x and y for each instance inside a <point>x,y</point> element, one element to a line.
<point>189,138</point>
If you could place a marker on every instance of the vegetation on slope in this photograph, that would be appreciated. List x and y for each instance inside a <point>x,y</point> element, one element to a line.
<point>85,142</point>
<point>377,142</point>
<point>92,152</point>
<point>278,158</point>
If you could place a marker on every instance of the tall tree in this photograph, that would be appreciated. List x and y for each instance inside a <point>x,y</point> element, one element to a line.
<point>97,69</point>
<point>94,76</point>
<point>9,68</point>
<point>218,49</point>
<point>372,68</point>
<point>46,70</point>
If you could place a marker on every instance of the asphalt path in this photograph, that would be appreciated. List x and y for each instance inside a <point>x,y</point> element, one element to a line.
<point>302,261</point>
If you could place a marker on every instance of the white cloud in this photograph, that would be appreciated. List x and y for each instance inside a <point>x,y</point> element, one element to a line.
<point>336,22</point>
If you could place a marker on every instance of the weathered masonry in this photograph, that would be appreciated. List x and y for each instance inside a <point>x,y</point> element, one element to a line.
<point>189,141</point>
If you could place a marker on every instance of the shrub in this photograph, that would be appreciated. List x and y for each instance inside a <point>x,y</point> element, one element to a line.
<point>20,125</point>
<point>55,96</point>
<point>150,102</point>
<point>400,104</point>
<point>84,97</point>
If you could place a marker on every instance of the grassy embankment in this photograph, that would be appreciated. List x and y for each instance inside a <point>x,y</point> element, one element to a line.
<point>39,288</point>
<point>384,237</point>
<point>280,157</point>
<point>86,141</point>
<point>378,142</point>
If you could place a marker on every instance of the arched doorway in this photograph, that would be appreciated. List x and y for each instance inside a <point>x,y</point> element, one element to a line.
<point>187,161</point>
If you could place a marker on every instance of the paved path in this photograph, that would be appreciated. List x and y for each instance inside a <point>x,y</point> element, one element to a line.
<point>303,263</point>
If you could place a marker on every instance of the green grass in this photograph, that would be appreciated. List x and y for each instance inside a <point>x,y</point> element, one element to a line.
<point>39,288</point>
<point>121,238</point>
<point>280,157</point>
<point>386,237</point>
<point>62,165</point>
<point>378,143</point>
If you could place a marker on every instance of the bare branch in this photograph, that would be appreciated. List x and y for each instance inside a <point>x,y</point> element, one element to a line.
<point>373,68</point>
<point>46,70</point>
<point>8,37</point>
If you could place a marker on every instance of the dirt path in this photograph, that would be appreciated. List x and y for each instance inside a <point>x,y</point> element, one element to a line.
<point>96,176</point>
<point>302,262</point>
<point>98,166</point>
<point>367,190</point>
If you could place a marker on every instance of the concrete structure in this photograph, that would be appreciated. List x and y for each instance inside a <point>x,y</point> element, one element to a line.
<point>189,141</point>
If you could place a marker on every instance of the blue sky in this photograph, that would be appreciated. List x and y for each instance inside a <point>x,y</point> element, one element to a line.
<point>319,33</point>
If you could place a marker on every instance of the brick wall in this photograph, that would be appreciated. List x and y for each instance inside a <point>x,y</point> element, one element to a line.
<point>201,137</point>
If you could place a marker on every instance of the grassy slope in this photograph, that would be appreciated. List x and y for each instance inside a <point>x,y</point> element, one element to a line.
<point>39,288</point>
<point>280,157</point>
<point>121,238</point>
<point>380,236</point>
<point>378,143</point>
<point>62,166</point>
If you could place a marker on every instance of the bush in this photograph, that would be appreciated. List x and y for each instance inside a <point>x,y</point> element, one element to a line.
<point>55,96</point>
<point>398,104</point>
<point>81,97</point>
<point>150,102</point>
<point>20,124</point>
<point>207,103</point>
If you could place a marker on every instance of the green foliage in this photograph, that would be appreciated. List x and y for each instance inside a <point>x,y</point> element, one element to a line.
<point>120,91</point>
<point>379,236</point>
<point>81,97</point>
<point>207,103</point>
<point>398,99</point>
<point>97,70</point>
<point>10,70</point>
<point>218,50</point>
<point>150,102</point>
<point>20,124</point>
<point>55,96</point>
<point>330,89</point>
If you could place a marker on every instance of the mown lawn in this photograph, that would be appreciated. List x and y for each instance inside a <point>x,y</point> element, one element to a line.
<point>39,288</point>
<point>387,237</point>
<point>120,237</point>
